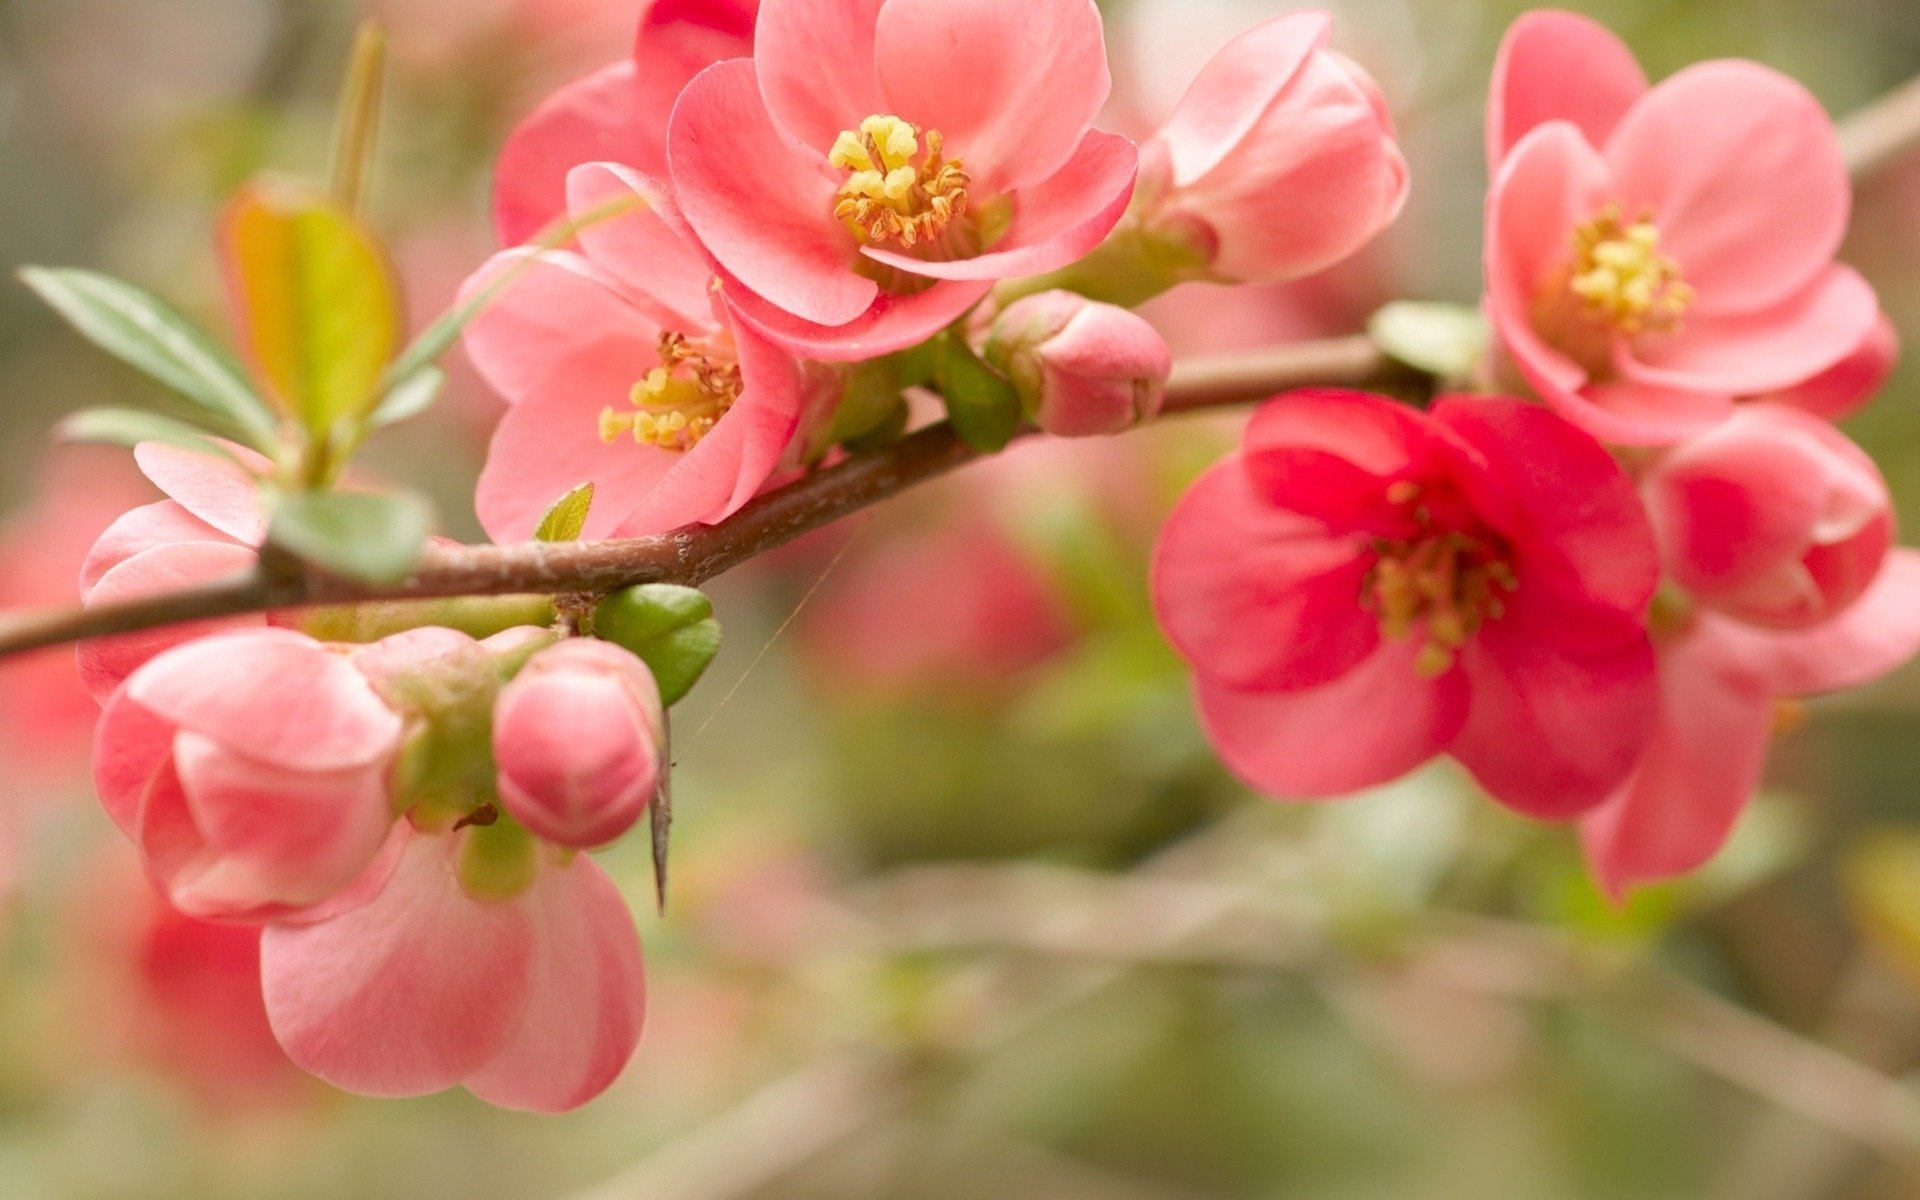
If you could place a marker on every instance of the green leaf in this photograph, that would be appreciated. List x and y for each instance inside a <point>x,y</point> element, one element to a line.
<point>148,334</point>
<point>983,405</point>
<point>317,300</point>
<point>132,426</point>
<point>671,628</point>
<point>362,535</point>
<point>409,397</point>
<point>567,517</point>
<point>1444,340</point>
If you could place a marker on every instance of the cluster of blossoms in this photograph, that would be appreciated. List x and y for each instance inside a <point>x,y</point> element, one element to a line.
<point>1595,599</point>
<point>785,220</point>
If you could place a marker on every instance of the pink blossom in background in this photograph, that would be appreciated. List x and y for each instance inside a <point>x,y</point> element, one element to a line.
<point>250,768</point>
<point>624,370</point>
<point>1721,681</point>
<point>412,983</point>
<point>867,175</point>
<point>1279,161</point>
<point>1362,587</point>
<point>1653,255</point>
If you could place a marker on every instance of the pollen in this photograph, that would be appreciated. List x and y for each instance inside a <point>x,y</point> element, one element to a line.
<point>1443,588</point>
<point>900,190</point>
<point>679,402</point>
<point>1621,278</point>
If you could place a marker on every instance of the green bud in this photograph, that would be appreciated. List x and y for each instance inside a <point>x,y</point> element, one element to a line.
<point>670,628</point>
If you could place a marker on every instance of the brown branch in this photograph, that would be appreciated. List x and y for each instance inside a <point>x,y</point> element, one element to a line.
<point>1884,132</point>
<point>689,556</point>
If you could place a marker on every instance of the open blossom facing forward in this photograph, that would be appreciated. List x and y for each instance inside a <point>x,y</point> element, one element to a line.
<point>1654,255</point>
<point>866,176</point>
<point>624,369</point>
<point>1361,587</point>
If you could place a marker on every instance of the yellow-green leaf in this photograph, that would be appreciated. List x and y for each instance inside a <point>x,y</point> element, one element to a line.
<point>567,517</point>
<point>316,299</point>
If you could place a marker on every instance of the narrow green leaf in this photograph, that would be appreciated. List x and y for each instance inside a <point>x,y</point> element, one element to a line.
<point>1444,340</point>
<point>409,397</point>
<point>357,128</point>
<point>670,628</point>
<point>362,535</point>
<point>317,300</point>
<point>132,426</point>
<point>148,334</point>
<point>567,517</point>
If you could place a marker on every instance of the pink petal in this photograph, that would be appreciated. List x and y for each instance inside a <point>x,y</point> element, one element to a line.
<point>141,530</point>
<point>586,997</point>
<point>613,115</point>
<point>1628,412</point>
<point>1257,597</point>
<point>561,323</point>
<point>214,489</point>
<point>1371,725</point>
<point>276,694</point>
<point>763,207</point>
<point>129,746</point>
<point>815,60</point>
<point>653,251</point>
<point>1761,350</point>
<point>408,994</point>
<point>1054,223</point>
<point>1845,388</point>
<point>1743,174</point>
<point>895,322</point>
<point>1235,89</point>
<point>1555,723</point>
<point>105,662</point>
<point>1876,634</point>
<point>730,465</point>
<point>1705,763</point>
<point>1013,85</point>
<point>1559,66</point>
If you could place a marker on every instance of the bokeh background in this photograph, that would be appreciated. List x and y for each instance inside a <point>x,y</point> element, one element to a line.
<point>963,907</point>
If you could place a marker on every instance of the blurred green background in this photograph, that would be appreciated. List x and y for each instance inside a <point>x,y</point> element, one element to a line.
<point>964,908</point>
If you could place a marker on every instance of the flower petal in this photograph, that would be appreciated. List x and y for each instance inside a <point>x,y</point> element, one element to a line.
<point>1234,89</point>
<point>130,745</point>
<point>815,60</point>
<point>652,252</point>
<point>218,491</point>
<point>1559,66</point>
<point>894,322</point>
<point>561,323</point>
<point>106,662</point>
<point>1846,387</point>
<point>613,115</point>
<point>1876,634</point>
<point>140,530</point>
<point>586,997</point>
<point>408,994</point>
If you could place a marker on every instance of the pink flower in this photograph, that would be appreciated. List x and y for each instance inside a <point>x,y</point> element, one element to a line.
<point>1280,159</point>
<point>1772,516</point>
<point>250,769</point>
<point>1082,368</point>
<point>1652,255</point>
<point>876,166</point>
<point>577,737</point>
<point>210,526</point>
<point>1721,681</point>
<point>625,371</point>
<point>616,115</point>
<point>417,981</point>
<point>1361,587</point>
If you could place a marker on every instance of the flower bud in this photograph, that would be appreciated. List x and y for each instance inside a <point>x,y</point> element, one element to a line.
<point>1082,368</point>
<point>1279,161</point>
<point>577,739</point>
<point>1773,516</point>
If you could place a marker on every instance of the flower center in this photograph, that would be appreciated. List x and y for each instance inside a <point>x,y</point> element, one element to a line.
<point>1622,279</point>
<point>1447,585</point>
<point>678,402</point>
<point>899,189</point>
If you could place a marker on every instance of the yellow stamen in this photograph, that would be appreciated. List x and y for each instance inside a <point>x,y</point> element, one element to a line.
<point>680,401</point>
<point>894,192</point>
<point>1623,280</point>
<point>1445,585</point>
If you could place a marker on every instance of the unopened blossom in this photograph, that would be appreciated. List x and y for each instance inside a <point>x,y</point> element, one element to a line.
<point>1654,255</point>
<point>1772,516</point>
<point>250,768</point>
<point>1723,682</point>
<point>472,957</point>
<point>1082,368</point>
<point>624,369</point>
<point>1279,161</point>
<point>866,176</point>
<point>577,738</point>
<point>1361,587</point>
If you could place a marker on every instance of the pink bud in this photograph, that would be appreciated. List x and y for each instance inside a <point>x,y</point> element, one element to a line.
<point>577,738</point>
<point>1773,516</point>
<point>1282,151</point>
<point>1082,368</point>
